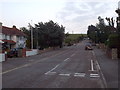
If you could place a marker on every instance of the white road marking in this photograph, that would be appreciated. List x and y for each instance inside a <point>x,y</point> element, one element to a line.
<point>79,75</point>
<point>104,80</point>
<point>93,53</point>
<point>92,65</point>
<point>64,74</point>
<point>31,63</point>
<point>15,68</point>
<point>52,69</point>
<point>66,59</point>
<point>98,65</point>
<point>94,75</point>
<point>50,73</point>
<point>72,55</point>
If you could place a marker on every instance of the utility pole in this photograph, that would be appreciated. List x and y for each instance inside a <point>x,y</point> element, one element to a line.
<point>31,35</point>
<point>37,37</point>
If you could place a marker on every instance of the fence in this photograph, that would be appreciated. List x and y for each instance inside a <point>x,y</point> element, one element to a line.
<point>32,52</point>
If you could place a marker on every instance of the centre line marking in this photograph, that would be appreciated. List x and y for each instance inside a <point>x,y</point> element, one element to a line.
<point>52,69</point>
<point>66,59</point>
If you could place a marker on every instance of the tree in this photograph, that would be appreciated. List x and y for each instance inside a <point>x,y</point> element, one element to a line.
<point>27,32</point>
<point>50,34</point>
<point>92,33</point>
<point>110,21</point>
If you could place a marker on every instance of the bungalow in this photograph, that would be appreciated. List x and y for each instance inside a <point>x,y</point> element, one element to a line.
<point>12,37</point>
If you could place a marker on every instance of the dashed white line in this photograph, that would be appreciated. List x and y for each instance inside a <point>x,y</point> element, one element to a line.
<point>79,75</point>
<point>66,59</point>
<point>72,55</point>
<point>64,74</point>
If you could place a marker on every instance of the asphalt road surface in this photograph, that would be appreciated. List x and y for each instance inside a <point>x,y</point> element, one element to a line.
<point>69,67</point>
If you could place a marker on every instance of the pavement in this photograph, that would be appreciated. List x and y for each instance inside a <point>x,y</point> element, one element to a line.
<point>69,67</point>
<point>108,67</point>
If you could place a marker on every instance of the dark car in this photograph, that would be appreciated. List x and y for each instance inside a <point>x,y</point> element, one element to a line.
<point>12,53</point>
<point>88,46</point>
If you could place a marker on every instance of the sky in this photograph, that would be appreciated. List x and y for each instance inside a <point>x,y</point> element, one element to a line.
<point>74,15</point>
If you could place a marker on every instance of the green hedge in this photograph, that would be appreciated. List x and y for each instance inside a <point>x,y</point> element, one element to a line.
<point>113,41</point>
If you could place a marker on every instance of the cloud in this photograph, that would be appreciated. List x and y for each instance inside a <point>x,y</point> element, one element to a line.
<point>84,13</point>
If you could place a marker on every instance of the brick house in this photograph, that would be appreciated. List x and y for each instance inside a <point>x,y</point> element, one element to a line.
<point>12,37</point>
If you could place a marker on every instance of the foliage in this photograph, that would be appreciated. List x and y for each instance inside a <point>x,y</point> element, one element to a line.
<point>49,34</point>
<point>92,33</point>
<point>27,32</point>
<point>101,32</point>
<point>113,41</point>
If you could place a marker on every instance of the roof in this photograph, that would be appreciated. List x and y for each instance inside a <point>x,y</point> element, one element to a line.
<point>9,41</point>
<point>12,31</point>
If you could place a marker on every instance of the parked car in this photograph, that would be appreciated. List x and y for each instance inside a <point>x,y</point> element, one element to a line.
<point>88,46</point>
<point>13,53</point>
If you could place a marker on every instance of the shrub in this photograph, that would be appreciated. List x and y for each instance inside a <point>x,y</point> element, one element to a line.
<point>113,41</point>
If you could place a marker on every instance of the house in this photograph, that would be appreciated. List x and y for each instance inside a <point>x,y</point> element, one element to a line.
<point>12,37</point>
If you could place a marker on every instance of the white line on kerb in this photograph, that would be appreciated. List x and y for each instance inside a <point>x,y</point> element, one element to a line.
<point>66,59</point>
<point>52,69</point>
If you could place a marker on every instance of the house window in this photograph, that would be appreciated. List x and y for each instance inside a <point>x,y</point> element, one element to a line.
<point>10,37</point>
<point>5,36</point>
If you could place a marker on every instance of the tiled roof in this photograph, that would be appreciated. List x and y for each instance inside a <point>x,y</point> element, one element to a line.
<point>12,31</point>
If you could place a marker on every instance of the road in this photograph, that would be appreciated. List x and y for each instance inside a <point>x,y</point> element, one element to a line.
<point>69,67</point>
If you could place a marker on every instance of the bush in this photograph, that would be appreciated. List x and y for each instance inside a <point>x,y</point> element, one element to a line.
<point>113,41</point>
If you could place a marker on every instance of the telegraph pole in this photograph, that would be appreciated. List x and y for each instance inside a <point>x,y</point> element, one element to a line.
<point>31,35</point>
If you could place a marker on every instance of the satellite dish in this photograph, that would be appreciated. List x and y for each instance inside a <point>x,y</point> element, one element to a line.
<point>119,5</point>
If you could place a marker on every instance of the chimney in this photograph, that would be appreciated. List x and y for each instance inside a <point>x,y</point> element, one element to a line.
<point>14,26</point>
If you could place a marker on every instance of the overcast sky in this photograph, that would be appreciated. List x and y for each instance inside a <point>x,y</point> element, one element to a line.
<point>75,15</point>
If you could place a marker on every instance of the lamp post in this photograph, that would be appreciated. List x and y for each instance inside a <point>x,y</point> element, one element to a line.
<point>31,35</point>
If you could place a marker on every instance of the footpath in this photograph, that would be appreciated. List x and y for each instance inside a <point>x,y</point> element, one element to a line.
<point>108,67</point>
